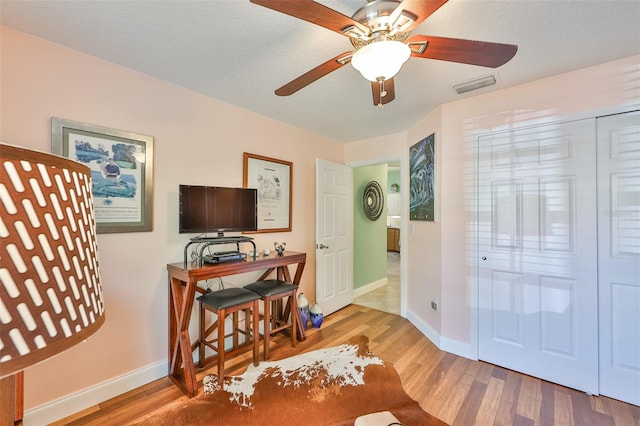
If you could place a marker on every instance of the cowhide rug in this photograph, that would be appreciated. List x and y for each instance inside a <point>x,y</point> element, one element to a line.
<point>331,386</point>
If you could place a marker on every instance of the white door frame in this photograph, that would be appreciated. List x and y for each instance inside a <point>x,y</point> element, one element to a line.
<point>404,221</point>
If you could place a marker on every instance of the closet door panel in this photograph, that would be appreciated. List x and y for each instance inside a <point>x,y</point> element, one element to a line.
<point>619,255</point>
<point>538,254</point>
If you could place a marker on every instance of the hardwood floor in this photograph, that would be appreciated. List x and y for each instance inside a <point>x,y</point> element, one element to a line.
<point>456,390</point>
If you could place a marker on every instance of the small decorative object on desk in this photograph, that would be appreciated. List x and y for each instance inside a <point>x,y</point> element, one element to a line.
<point>303,307</point>
<point>315,313</point>
<point>279,247</point>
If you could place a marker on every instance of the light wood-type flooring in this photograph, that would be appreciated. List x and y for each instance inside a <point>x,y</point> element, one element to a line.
<point>454,389</point>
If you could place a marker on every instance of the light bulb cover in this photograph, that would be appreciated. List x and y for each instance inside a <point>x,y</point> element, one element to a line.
<point>381,59</point>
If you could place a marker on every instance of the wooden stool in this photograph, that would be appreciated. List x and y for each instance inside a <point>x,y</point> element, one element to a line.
<point>223,303</point>
<point>272,292</point>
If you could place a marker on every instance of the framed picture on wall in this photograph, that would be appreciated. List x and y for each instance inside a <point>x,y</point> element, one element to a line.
<point>422,196</point>
<point>121,166</point>
<point>273,180</point>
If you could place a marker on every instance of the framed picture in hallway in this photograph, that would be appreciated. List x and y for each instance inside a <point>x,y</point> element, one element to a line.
<point>422,186</point>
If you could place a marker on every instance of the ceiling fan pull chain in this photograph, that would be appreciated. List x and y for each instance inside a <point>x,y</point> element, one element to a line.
<point>383,92</point>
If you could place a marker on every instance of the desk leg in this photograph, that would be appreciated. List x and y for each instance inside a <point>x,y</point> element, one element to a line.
<point>180,351</point>
<point>173,325</point>
<point>175,303</point>
<point>189,367</point>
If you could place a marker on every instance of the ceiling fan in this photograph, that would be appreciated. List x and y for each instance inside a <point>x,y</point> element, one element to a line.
<point>379,32</point>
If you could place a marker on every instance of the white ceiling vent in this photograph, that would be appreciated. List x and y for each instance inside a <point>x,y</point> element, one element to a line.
<point>475,84</point>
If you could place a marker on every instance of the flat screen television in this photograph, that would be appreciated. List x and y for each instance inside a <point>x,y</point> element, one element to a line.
<point>213,209</point>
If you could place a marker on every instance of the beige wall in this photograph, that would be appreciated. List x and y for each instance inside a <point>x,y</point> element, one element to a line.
<point>424,239</point>
<point>420,241</point>
<point>198,140</point>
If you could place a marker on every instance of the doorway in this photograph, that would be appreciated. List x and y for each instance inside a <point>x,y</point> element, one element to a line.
<point>385,294</point>
<point>386,298</point>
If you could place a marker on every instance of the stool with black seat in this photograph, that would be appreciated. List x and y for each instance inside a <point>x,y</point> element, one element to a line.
<point>276,315</point>
<point>225,302</point>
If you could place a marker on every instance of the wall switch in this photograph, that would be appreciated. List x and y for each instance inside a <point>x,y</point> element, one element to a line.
<point>435,304</point>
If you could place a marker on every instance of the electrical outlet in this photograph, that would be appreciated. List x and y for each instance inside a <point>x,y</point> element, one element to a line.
<point>435,304</point>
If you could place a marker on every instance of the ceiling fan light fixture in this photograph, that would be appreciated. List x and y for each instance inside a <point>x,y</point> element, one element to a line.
<point>381,59</point>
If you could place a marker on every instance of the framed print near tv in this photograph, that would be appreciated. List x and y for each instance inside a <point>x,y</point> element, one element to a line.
<point>273,180</point>
<point>422,196</point>
<point>121,166</point>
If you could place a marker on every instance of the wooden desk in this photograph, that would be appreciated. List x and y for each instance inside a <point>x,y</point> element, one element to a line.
<point>183,285</point>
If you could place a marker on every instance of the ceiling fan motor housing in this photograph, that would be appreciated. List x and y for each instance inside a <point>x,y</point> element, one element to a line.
<point>375,15</point>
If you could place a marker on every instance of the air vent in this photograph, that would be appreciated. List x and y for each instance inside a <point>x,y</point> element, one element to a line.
<point>474,84</point>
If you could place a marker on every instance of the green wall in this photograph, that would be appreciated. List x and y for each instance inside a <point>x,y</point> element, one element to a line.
<point>370,237</point>
<point>393,177</point>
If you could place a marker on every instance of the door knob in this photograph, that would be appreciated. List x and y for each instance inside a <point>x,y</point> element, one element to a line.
<point>321,246</point>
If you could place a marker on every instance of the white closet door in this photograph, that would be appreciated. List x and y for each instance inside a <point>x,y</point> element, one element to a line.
<point>619,255</point>
<point>538,254</point>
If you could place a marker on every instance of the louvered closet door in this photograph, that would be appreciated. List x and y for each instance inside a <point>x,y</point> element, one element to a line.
<point>538,254</point>
<point>619,255</point>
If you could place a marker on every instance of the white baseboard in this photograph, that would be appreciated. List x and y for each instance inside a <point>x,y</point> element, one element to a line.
<point>443,343</point>
<point>357,292</point>
<point>458,348</point>
<point>86,398</point>
<point>424,328</point>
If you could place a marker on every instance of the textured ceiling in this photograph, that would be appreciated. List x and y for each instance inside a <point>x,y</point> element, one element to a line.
<point>239,52</point>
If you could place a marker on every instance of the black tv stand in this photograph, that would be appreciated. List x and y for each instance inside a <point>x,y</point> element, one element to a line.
<point>209,241</point>
<point>222,239</point>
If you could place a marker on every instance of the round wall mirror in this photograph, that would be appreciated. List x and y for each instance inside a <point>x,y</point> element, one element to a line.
<point>373,200</point>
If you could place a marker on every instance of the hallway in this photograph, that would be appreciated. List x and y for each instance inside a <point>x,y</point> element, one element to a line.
<point>386,298</point>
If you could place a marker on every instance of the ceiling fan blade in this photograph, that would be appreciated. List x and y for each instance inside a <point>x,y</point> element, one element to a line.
<point>471,52</point>
<point>420,9</point>
<point>313,75</point>
<point>316,13</point>
<point>376,90</point>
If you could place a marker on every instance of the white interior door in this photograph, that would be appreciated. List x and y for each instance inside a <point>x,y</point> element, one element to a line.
<point>619,255</point>
<point>538,253</point>
<point>334,236</point>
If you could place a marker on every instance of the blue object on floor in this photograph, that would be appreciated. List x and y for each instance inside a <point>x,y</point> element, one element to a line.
<point>316,315</point>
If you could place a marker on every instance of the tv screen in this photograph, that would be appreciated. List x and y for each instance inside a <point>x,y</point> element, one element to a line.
<point>205,209</point>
